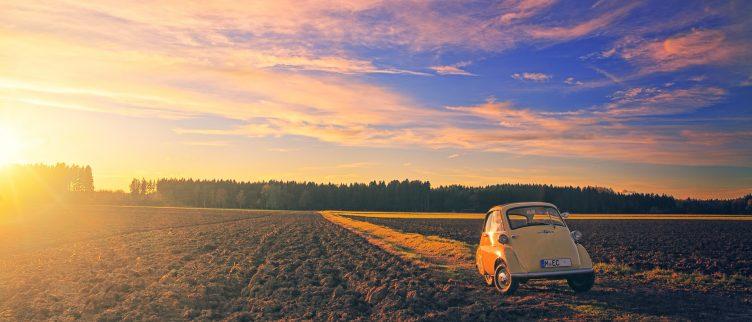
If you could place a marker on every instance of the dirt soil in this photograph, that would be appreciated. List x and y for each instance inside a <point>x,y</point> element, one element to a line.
<point>301,266</point>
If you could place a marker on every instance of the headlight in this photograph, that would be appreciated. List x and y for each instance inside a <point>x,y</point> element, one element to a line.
<point>576,235</point>
<point>503,239</point>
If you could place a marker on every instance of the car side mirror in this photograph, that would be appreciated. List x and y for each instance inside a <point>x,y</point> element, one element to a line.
<point>564,215</point>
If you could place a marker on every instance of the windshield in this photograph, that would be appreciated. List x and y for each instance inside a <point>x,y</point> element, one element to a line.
<point>534,216</point>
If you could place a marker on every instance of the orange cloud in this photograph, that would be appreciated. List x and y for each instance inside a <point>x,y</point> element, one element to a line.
<point>452,70</point>
<point>522,9</point>
<point>698,47</point>
<point>269,26</point>
<point>581,29</point>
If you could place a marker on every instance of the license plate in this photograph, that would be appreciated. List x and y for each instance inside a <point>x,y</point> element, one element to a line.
<point>558,262</point>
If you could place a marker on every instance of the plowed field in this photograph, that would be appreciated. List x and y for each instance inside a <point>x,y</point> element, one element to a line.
<point>243,265</point>
<point>688,246</point>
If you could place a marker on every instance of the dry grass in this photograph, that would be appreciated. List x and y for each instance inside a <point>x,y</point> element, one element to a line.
<point>421,249</point>
<point>451,215</point>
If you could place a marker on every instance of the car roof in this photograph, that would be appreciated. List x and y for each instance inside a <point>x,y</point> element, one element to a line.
<point>508,206</point>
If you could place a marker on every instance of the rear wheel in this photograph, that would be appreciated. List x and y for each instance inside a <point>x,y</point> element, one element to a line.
<point>581,283</point>
<point>503,280</point>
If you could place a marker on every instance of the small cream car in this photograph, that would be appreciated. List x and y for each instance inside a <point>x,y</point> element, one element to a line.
<point>530,240</point>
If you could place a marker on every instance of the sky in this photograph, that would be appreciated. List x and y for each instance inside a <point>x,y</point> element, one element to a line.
<point>645,96</point>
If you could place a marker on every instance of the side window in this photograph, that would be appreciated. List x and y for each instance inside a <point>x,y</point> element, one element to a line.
<point>517,220</point>
<point>489,219</point>
<point>494,222</point>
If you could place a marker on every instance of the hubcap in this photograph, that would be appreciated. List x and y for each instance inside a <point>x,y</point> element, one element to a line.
<point>502,277</point>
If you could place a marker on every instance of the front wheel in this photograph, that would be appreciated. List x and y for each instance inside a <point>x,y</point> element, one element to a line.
<point>581,283</point>
<point>503,280</point>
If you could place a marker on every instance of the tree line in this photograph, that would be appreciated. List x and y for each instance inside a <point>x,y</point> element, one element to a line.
<point>39,183</point>
<point>414,195</point>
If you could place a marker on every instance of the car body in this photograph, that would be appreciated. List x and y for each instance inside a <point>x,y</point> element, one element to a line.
<point>530,240</point>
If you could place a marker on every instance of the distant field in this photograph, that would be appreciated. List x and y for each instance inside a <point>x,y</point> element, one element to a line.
<point>56,225</point>
<point>461,215</point>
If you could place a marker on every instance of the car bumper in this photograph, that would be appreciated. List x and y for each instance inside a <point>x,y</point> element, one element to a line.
<point>553,275</point>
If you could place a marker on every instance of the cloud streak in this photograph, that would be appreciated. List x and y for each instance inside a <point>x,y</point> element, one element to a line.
<point>535,77</point>
<point>697,47</point>
<point>455,69</point>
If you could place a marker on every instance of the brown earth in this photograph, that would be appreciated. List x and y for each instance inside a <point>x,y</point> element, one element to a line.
<point>301,266</point>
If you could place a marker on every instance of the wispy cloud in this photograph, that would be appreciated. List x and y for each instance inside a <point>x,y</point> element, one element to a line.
<point>356,165</point>
<point>453,156</point>
<point>640,101</point>
<point>535,77</point>
<point>455,69</point>
<point>746,82</point>
<point>207,143</point>
<point>523,9</point>
<point>572,81</point>
<point>698,47</point>
<point>282,150</point>
<point>608,75</point>
<point>580,29</point>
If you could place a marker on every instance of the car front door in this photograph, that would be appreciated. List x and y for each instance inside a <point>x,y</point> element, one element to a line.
<point>489,240</point>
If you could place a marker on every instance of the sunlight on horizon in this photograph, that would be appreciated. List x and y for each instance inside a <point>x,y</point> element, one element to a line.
<point>10,146</point>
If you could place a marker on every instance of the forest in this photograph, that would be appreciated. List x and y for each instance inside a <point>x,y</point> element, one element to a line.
<point>35,183</point>
<point>39,183</point>
<point>415,195</point>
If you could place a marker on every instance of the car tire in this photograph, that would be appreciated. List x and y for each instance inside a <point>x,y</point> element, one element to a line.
<point>581,283</point>
<point>503,280</point>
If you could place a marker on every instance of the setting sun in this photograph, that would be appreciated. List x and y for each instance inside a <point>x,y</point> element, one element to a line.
<point>10,146</point>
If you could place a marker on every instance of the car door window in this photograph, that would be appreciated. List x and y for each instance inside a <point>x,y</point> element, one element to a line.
<point>489,219</point>
<point>517,221</point>
<point>494,222</point>
<point>534,216</point>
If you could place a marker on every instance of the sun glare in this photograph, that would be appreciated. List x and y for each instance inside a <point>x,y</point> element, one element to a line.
<point>10,146</point>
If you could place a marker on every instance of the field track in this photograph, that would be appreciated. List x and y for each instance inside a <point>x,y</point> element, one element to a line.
<point>459,215</point>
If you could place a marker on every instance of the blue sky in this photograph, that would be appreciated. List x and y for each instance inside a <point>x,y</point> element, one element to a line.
<point>649,96</point>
